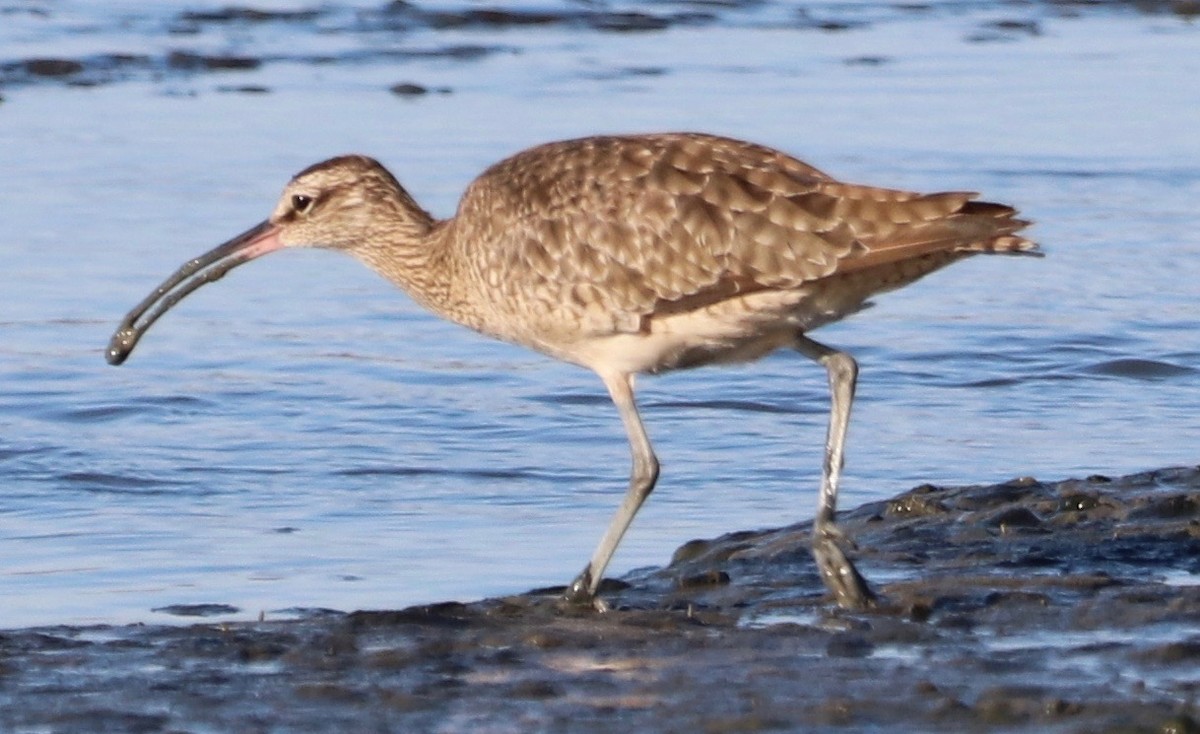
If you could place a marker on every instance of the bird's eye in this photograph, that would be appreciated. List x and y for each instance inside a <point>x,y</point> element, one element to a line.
<point>301,203</point>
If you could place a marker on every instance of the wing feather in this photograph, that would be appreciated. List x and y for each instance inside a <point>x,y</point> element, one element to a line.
<point>628,227</point>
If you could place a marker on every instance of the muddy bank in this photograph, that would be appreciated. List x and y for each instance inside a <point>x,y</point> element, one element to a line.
<point>1025,606</point>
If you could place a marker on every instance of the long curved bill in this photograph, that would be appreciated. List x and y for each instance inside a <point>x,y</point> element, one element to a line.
<point>211,266</point>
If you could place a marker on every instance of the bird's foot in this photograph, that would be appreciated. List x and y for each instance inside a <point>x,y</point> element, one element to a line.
<point>849,587</point>
<point>579,592</point>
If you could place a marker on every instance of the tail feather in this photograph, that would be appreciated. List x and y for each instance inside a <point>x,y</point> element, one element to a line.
<point>967,227</point>
<point>1009,244</point>
<point>1007,224</point>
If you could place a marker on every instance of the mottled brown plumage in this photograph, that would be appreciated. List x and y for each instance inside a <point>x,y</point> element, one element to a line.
<point>638,254</point>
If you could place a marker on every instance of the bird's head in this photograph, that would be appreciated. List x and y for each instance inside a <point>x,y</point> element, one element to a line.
<point>344,203</point>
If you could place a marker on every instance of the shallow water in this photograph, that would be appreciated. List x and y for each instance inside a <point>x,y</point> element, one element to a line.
<point>301,435</point>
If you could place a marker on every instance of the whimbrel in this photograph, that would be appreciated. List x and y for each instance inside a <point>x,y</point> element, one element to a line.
<point>634,254</point>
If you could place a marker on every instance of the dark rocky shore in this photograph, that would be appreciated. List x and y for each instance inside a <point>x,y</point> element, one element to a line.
<point>1025,606</point>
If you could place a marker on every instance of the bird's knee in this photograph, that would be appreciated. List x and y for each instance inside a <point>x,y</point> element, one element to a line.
<point>842,368</point>
<point>840,365</point>
<point>644,477</point>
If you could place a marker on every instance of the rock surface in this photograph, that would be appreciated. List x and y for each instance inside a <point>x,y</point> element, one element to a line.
<point>1025,606</point>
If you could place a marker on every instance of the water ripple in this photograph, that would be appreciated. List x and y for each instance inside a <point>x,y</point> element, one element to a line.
<point>1140,369</point>
<point>424,471</point>
<point>102,482</point>
<point>741,406</point>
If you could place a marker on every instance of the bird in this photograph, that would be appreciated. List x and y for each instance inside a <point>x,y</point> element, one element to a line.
<point>631,255</point>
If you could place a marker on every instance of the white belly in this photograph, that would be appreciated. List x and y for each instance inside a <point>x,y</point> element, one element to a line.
<point>735,330</point>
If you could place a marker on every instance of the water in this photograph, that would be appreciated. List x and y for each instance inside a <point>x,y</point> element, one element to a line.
<point>301,435</point>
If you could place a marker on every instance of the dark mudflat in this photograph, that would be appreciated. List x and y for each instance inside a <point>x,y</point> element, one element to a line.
<point>1023,606</point>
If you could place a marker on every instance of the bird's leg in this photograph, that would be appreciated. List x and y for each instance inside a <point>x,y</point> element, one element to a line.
<point>837,571</point>
<point>641,484</point>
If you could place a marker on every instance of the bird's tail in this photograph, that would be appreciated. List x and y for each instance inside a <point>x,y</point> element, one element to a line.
<point>1005,239</point>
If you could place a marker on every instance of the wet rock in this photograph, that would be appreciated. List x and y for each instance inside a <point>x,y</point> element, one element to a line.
<point>456,52</point>
<point>1005,30</point>
<point>920,610</point>
<point>849,645</point>
<point>191,61</point>
<point>1186,8</point>
<point>997,495</point>
<point>1185,651</point>
<point>246,89</point>
<point>1142,369</point>
<point>919,502</point>
<point>489,17</point>
<point>1171,506</point>
<point>446,614</point>
<point>1016,27</point>
<point>52,67</point>
<point>628,22</point>
<point>1181,724</point>
<point>1078,502</point>
<point>232,14</point>
<point>722,549</point>
<point>701,580</point>
<point>197,610</point>
<point>837,25</point>
<point>1017,648</point>
<point>866,61</point>
<point>537,690</point>
<point>409,89</point>
<point>1012,517</point>
<point>18,642</point>
<point>1006,705</point>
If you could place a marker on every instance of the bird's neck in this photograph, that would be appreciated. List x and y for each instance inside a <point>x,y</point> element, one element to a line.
<point>412,253</point>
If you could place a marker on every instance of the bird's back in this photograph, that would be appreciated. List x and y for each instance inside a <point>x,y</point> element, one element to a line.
<point>572,243</point>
